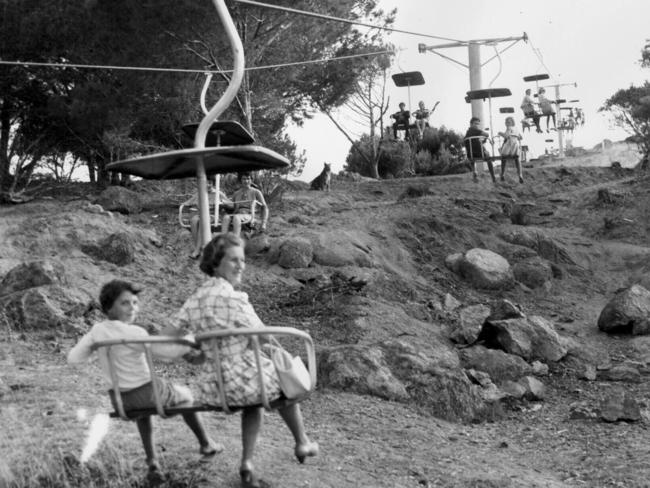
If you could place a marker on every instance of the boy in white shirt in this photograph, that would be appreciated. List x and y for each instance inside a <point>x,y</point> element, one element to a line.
<point>119,301</point>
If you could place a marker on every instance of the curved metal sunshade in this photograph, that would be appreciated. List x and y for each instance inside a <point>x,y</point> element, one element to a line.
<point>217,160</point>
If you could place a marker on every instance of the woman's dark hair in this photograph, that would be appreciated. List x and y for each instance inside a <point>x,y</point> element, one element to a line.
<point>215,250</point>
<point>112,290</point>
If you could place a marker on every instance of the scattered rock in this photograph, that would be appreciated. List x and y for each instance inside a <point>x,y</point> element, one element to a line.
<point>588,372</point>
<point>257,244</point>
<point>498,364</point>
<point>535,389</point>
<point>120,199</point>
<point>118,248</point>
<point>505,309</point>
<point>453,261</point>
<point>610,196</point>
<point>539,369</point>
<point>531,338</point>
<point>470,323</point>
<point>361,369</point>
<point>31,275</point>
<point>533,272</point>
<point>486,269</point>
<point>622,372</point>
<point>582,411</point>
<point>451,303</point>
<point>620,405</point>
<point>295,253</point>
<point>513,389</point>
<point>627,312</point>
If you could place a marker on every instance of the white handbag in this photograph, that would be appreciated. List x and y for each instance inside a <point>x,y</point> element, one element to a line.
<point>295,380</point>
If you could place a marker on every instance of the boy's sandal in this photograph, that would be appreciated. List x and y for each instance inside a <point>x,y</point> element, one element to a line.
<point>249,480</point>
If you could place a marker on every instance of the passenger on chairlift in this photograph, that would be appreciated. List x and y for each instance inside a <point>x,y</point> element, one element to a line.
<point>245,200</point>
<point>528,107</point>
<point>546,106</point>
<point>475,138</point>
<point>119,301</point>
<point>402,121</point>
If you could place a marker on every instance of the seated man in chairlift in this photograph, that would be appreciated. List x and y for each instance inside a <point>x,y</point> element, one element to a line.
<point>245,200</point>
<point>475,138</point>
<point>528,107</point>
<point>402,121</point>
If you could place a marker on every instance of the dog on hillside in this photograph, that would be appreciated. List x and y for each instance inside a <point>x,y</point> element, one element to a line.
<point>323,180</point>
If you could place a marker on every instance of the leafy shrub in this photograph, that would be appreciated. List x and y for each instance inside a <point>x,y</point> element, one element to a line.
<point>394,158</point>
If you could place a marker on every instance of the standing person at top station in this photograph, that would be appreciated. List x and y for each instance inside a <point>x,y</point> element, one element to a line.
<point>546,106</point>
<point>528,107</point>
<point>402,120</point>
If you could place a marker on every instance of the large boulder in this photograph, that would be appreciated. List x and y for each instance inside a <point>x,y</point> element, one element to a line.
<point>118,248</point>
<point>296,252</point>
<point>627,312</point>
<point>43,307</point>
<point>120,199</point>
<point>545,245</point>
<point>31,275</point>
<point>498,364</point>
<point>486,269</point>
<point>360,369</point>
<point>531,338</point>
<point>406,370</point>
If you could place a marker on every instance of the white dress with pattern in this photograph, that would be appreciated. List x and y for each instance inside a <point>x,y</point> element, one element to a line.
<point>216,306</point>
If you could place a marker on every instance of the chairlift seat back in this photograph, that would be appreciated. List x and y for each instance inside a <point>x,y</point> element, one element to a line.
<point>540,77</point>
<point>210,340</point>
<point>488,93</point>
<point>221,133</point>
<point>507,110</point>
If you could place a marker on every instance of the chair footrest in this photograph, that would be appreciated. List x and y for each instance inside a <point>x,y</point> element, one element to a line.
<point>201,407</point>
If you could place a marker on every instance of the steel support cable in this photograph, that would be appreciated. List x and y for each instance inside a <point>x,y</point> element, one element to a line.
<point>338,19</point>
<point>183,70</point>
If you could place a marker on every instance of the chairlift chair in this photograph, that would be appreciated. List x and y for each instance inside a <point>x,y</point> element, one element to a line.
<point>211,341</point>
<point>202,161</point>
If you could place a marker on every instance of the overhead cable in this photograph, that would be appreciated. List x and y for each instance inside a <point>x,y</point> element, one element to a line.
<point>338,19</point>
<point>183,70</point>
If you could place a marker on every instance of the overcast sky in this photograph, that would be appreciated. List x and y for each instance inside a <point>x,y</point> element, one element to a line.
<point>595,44</point>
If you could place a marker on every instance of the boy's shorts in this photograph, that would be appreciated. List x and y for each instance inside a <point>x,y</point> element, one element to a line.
<point>142,397</point>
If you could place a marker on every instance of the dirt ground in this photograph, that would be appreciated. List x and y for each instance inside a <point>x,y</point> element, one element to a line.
<point>365,441</point>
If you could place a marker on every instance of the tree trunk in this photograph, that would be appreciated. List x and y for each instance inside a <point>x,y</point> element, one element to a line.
<point>5,122</point>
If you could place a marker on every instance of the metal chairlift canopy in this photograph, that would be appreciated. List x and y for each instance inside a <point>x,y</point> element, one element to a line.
<point>222,133</point>
<point>410,78</point>
<point>540,77</point>
<point>217,160</point>
<point>488,93</point>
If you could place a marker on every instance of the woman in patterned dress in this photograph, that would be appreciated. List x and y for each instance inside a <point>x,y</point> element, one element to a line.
<point>217,305</point>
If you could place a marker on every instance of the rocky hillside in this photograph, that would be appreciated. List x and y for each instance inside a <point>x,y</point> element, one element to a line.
<point>458,301</point>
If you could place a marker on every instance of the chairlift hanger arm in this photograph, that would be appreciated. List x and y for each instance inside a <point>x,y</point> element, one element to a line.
<point>451,59</point>
<point>422,48</point>
<point>500,52</point>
